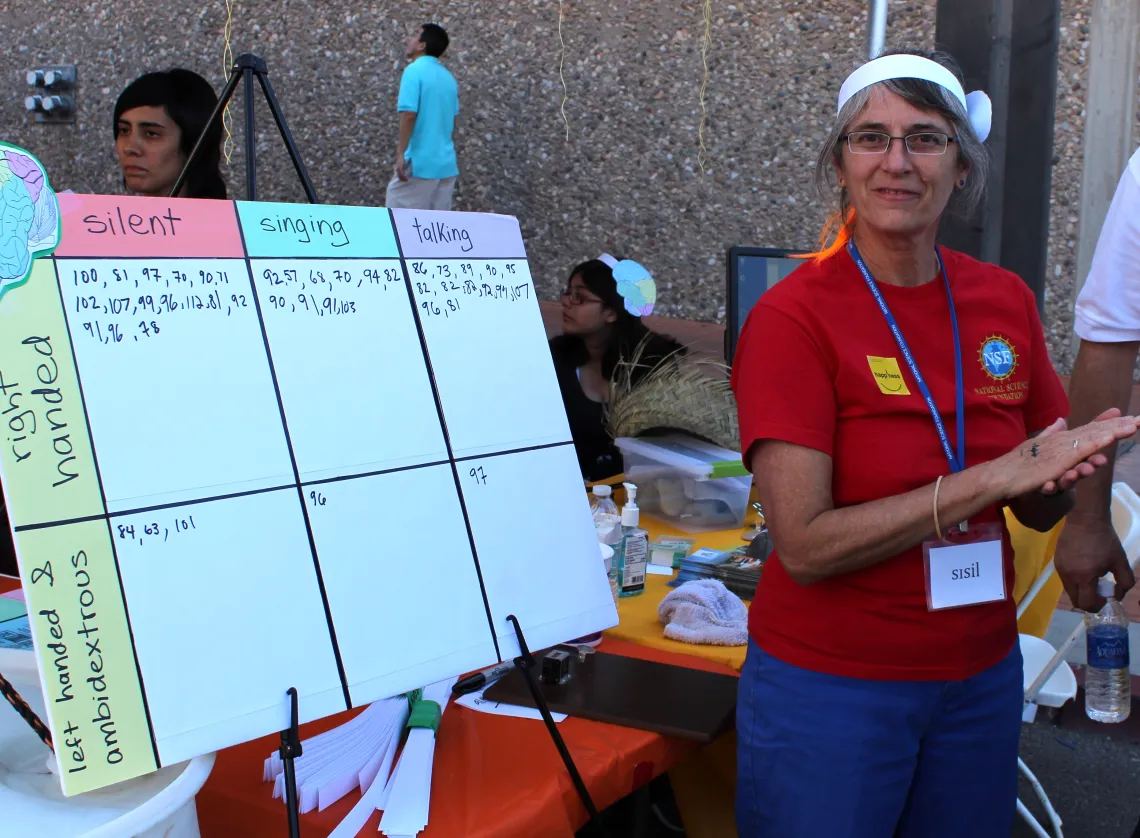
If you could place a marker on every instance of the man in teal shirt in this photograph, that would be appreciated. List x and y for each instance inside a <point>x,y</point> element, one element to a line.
<point>428,103</point>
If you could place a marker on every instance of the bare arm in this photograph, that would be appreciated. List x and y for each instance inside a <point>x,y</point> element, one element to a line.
<point>407,125</point>
<point>1040,511</point>
<point>1089,547</point>
<point>1102,379</point>
<point>816,541</point>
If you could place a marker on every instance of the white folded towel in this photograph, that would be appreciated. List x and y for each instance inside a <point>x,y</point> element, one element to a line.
<point>704,611</point>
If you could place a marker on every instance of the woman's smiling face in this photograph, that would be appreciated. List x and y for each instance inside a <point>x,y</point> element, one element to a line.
<point>898,191</point>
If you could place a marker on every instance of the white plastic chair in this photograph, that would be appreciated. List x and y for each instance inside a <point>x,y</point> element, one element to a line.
<point>1048,680</point>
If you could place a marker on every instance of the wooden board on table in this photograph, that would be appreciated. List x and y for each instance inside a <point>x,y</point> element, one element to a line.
<point>662,698</point>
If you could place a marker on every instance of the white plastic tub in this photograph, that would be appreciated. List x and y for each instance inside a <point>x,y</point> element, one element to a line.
<point>692,485</point>
<point>159,805</point>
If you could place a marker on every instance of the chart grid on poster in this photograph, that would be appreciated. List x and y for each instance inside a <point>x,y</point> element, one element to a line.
<point>321,447</point>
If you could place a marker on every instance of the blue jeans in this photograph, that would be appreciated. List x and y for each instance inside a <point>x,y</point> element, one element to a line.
<point>823,756</point>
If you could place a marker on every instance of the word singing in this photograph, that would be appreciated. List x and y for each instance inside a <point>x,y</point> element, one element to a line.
<point>304,229</point>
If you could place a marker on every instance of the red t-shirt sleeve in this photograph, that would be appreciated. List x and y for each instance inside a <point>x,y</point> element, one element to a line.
<point>783,383</point>
<point>1046,401</point>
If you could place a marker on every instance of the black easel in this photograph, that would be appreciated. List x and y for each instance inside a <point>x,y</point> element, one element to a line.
<point>247,67</point>
<point>525,665</point>
<point>290,749</point>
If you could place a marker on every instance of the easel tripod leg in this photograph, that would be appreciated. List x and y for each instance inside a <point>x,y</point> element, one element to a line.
<point>525,664</point>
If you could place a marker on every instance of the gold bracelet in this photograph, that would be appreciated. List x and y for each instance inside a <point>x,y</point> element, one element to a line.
<point>937,526</point>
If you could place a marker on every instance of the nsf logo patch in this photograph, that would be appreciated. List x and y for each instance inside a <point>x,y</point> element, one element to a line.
<point>998,357</point>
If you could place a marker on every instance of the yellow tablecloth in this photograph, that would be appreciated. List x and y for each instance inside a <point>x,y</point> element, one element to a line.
<point>704,785</point>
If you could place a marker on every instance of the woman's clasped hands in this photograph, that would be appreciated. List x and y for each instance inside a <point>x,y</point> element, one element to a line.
<point>1058,457</point>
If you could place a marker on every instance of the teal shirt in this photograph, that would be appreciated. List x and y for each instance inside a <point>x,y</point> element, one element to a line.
<point>429,91</point>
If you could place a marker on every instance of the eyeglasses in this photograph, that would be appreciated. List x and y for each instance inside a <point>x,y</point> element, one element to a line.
<point>877,142</point>
<point>576,298</point>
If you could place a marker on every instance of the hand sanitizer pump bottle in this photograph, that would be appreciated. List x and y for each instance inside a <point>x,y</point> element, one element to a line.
<point>633,550</point>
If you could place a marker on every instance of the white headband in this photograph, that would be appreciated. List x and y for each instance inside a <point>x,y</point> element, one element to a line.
<point>977,104</point>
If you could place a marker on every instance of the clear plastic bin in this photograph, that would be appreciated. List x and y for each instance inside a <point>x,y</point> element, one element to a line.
<point>687,483</point>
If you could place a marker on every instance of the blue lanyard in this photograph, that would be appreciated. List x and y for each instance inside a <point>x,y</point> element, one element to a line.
<point>957,462</point>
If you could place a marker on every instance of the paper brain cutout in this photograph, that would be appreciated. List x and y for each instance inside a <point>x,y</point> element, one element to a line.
<point>636,287</point>
<point>29,215</point>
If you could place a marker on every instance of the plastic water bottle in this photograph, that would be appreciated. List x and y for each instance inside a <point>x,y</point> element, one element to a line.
<point>607,520</point>
<point>1108,684</point>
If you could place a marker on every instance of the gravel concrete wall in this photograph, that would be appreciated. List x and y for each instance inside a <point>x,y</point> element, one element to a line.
<point>626,177</point>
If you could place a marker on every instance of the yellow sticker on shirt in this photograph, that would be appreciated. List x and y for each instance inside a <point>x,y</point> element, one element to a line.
<point>888,375</point>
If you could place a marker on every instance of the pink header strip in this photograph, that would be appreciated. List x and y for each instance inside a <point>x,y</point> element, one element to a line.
<point>121,225</point>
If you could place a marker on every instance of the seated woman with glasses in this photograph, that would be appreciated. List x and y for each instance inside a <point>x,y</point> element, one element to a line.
<point>158,119</point>
<point>895,398</point>
<point>602,330</point>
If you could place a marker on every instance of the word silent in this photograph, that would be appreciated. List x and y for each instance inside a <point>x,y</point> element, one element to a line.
<point>304,229</point>
<point>132,224</point>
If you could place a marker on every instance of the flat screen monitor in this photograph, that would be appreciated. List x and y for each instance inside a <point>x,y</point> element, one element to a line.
<point>751,272</point>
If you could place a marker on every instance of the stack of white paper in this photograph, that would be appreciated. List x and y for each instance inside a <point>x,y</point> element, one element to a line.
<point>409,794</point>
<point>345,758</point>
<point>476,701</point>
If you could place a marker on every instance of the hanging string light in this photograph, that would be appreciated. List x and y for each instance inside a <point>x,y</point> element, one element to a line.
<point>227,65</point>
<point>561,77</point>
<point>706,42</point>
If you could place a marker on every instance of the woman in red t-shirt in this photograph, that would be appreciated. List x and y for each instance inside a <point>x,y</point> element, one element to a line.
<point>895,396</point>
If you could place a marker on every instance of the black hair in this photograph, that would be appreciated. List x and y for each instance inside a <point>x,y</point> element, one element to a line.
<point>188,100</point>
<point>628,331</point>
<point>434,39</point>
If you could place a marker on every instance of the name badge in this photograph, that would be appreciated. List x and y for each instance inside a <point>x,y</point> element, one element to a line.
<point>965,568</point>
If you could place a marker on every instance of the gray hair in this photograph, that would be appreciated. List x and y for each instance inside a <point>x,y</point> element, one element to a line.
<point>927,96</point>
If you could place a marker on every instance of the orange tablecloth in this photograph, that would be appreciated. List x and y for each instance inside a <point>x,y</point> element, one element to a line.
<point>493,777</point>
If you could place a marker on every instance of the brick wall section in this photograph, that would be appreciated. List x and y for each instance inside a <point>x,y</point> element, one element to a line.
<point>627,180</point>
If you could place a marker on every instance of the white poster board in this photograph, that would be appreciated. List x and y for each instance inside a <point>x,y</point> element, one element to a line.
<point>257,446</point>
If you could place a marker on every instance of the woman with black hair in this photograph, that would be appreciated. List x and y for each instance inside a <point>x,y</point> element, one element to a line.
<point>157,122</point>
<point>602,330</point>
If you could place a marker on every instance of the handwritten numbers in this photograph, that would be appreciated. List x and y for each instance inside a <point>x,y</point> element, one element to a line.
<point>154,529</point>
<point>44,572</point>
<point>90,277</point>
<point>317,498</point>
<point>478,475</point>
